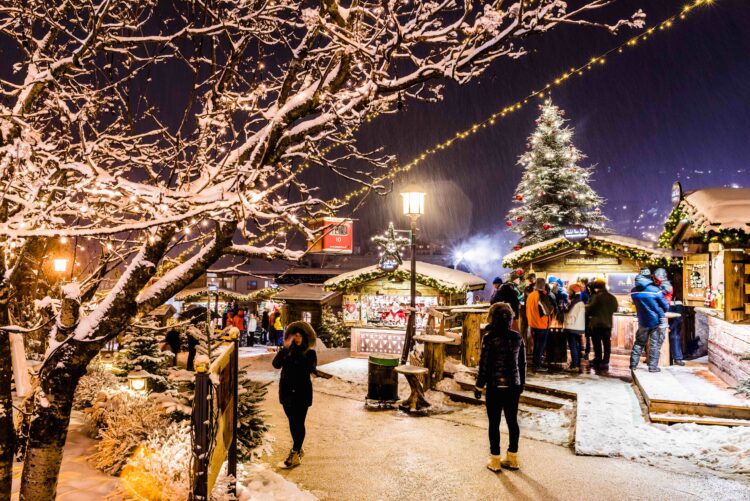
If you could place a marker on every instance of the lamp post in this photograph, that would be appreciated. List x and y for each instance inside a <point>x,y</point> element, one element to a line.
<point>413,200</point>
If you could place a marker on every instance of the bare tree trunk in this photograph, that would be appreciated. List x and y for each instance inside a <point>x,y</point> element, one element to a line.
<point>49,425</point>
<point>7,432</point>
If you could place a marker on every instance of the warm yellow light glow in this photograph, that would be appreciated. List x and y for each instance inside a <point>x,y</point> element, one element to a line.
<point>137,384</point>
<point>413,203</point>
<point>60,265</point>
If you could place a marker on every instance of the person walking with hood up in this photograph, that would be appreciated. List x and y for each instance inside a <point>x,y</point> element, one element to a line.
<point>502,369</point>
<point>651,307</point>
<point>297,360</point>
<point>497,282</point>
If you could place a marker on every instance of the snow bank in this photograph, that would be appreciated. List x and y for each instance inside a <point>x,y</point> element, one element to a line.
<point>610,422</point>
<point>262,484</point>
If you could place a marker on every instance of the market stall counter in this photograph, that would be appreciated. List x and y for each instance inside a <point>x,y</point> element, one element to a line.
<point>375,303</point>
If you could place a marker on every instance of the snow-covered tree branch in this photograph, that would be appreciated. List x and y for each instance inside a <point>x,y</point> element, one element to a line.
<point>132,131</point>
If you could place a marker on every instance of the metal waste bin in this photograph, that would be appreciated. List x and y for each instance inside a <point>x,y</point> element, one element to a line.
<point>382,379</point>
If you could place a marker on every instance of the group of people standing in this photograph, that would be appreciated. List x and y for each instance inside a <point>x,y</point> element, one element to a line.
<point>584,310</point>
<point>269,330</point>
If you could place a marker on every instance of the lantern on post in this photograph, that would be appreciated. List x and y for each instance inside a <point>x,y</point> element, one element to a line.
<point>138,380</point>
<point>60,265</point>
<point>413,204</point>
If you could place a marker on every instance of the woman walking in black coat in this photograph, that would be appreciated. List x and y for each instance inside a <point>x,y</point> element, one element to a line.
<point>297,361</point>
<point>502,368</point>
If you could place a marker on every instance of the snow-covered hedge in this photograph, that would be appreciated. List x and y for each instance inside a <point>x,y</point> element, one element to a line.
<point>96,380</point>
<point>124,419</point>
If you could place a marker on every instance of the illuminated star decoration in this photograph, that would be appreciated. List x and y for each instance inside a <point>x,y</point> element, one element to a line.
<point>390,245</point>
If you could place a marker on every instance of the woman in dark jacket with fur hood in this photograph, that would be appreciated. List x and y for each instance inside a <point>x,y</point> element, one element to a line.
<point>502,369</point>
<point>297,361</point>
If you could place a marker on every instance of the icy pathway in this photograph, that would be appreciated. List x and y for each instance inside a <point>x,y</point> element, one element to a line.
<point>610,422</point>
<point>79,481</point>
<point>354,454</point>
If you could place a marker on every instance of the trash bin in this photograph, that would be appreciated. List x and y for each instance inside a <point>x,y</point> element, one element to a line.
<point>382,379</point>
<point>557,349</point>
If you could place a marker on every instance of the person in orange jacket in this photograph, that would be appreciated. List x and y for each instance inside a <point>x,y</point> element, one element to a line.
<point>539,311</point>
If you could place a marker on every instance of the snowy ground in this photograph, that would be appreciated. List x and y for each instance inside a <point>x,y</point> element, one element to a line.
<point>78,481</point>
<point>356,454</point>
<point>611,422</point>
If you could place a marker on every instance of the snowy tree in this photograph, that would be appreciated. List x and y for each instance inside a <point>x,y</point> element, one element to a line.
<point>554,191</point>
<point>142,350</point>
<point>332,331</point>
<point>261,95</point>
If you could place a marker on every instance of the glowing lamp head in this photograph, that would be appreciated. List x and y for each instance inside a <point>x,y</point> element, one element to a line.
<point>413,202</point>
<point>60,265</point>
<point>138,380</point>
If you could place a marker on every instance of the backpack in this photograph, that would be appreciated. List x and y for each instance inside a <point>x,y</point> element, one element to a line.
<point>545,305</point>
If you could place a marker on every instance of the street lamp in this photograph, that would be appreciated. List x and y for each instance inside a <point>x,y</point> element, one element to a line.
<point>413,207</point>
<point>60,265</point>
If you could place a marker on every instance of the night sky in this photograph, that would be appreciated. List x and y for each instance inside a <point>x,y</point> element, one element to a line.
<point>673,107</point>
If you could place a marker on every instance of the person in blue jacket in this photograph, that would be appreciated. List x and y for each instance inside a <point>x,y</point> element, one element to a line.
<point>651,307</point>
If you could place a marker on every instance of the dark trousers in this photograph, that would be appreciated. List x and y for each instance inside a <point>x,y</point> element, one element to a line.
<point>501,400</point>
<point>296,415</point>
<point>540,344</point>
<point>675,339</point>
<point>574,344</point>
<point>602,338</point>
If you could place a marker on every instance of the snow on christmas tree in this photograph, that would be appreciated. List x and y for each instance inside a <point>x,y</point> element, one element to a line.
<point>142,350</point>
<point>554,191</point>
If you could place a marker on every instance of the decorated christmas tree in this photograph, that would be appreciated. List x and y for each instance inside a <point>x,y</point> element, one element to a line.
<point>554,191</point>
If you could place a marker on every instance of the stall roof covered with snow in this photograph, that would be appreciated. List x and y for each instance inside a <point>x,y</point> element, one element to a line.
<point>445,280</point>
<point>710,215</point>
<point>583,252</point>
<point>314,293</point>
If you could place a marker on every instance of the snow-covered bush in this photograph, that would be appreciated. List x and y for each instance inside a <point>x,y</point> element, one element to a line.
<point>142,350</point>
<point>332,331</point>
<point>159,470</point>
<point>96,379</point>
<point>124,419</point>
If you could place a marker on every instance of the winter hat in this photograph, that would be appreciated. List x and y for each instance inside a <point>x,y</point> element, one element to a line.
<point>497,281</point>
<point>551,279</point>
<point>575,289</point>
<point>540,284</point>
<point>645,272</point>
<point>661,274</point>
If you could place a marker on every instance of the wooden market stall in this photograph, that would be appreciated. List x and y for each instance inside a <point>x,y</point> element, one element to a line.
<point>375,302</point>
<point>616,259</point>
<point>305,302</point>
<point>712,227</point>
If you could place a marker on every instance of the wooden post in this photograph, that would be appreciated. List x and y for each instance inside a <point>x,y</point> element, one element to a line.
<point>471,339</point>
<point>201,444</point>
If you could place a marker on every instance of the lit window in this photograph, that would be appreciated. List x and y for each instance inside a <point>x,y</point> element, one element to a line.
<point>307,316</point>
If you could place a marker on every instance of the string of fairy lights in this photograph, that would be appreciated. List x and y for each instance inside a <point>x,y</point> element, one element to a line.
<point>494,118</point>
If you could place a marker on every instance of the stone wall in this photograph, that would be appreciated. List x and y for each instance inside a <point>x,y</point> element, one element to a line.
<point>728,344</point>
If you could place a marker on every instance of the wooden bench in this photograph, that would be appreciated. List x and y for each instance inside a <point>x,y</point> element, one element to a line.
<point>413,375</point>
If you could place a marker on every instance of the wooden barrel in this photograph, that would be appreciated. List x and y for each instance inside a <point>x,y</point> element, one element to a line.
<point>557,349</point>
<point>382,379</point>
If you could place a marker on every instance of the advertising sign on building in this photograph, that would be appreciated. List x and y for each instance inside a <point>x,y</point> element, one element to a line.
<point>576,233</point>
<point>334,236</point>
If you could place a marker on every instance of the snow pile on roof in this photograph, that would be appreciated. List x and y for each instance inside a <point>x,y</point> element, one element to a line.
<point>719,208</point>
<point>621,240</point>
<point>305,292</point>
<point>516,255</point>
<point>642,245</point>
<point>447,277</point>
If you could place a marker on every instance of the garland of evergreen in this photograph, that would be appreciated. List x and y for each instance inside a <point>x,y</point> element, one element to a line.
<point>357,280</point>
<point>200,295</point>
<point>609,248</point>
<point>729,236</point>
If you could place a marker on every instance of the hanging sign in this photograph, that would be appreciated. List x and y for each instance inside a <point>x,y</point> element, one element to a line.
<point>576,233</point>
<point>335,236</point>
<point>592,260</point>
<point>676,193</point>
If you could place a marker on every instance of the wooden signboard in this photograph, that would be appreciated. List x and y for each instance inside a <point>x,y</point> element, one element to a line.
<point>695,278</point>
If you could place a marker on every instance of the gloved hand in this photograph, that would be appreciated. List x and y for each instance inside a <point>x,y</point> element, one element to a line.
<point>477,393</point>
